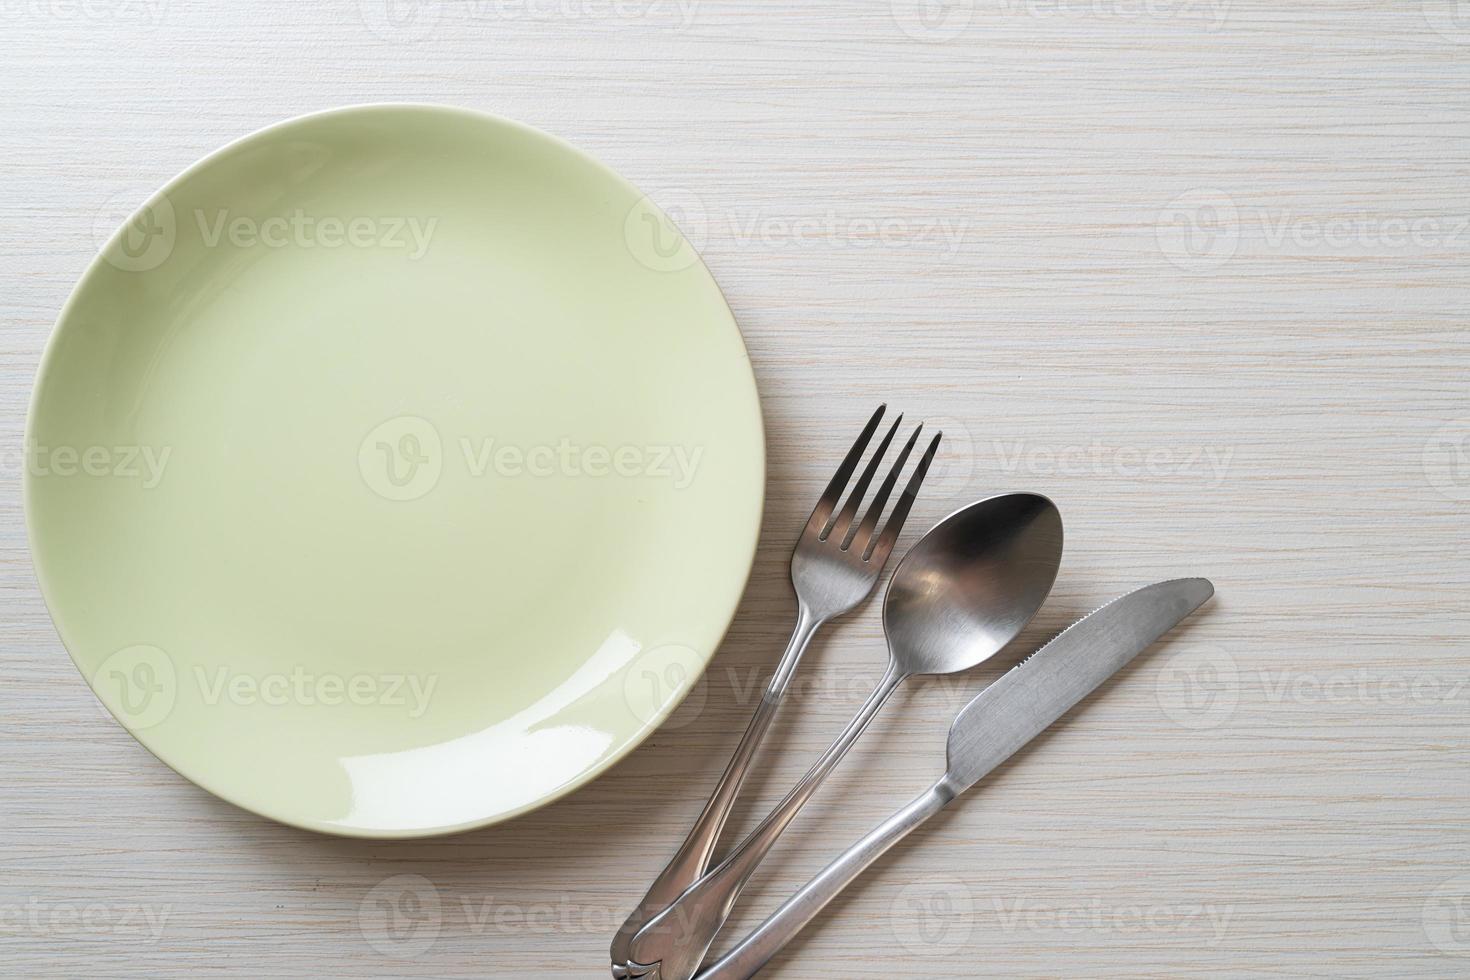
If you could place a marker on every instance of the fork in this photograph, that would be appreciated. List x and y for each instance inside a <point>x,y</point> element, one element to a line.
<point>836,563</point>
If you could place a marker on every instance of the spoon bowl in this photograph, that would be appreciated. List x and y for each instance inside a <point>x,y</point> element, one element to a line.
<point>972,583</point>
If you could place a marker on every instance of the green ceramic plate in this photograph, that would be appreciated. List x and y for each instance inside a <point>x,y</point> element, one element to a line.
<point>394,471</point>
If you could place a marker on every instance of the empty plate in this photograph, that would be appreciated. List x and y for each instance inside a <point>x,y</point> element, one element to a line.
<point>394,471</point>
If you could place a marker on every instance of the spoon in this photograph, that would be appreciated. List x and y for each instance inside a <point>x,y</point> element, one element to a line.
<point>963,592</point>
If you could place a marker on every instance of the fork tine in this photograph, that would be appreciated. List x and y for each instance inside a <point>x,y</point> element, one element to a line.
<point>828,502</point>
<point>846,517</point>
<point>881,548</point>
<point>870,519</point>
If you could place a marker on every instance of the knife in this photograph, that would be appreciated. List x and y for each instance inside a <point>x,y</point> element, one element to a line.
<point>989,730</point>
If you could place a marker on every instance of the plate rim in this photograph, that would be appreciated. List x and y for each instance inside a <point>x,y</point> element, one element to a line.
<point>96,265</point>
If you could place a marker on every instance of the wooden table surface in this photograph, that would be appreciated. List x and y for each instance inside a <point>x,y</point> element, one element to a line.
<point>1197,269</point>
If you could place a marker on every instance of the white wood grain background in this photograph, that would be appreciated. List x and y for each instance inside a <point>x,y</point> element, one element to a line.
<point>1197,269</point>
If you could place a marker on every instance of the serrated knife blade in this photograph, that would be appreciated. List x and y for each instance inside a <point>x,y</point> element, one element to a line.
<point>1025,700</point>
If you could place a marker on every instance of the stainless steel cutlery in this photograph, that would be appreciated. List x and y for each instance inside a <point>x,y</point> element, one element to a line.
<point>959,596</point>
<point>989,730</point>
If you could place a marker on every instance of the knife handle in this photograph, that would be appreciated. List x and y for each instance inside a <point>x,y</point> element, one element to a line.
<point>757,949</point>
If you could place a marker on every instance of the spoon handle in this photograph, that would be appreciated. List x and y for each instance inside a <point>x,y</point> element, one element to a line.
<point>694,855</point>
<point>678,937</point>
<point>757,949</point>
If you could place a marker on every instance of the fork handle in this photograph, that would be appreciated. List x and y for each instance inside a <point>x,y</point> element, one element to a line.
<point>678,937</point>
<point>694,855</point>
<point>756,950</point>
